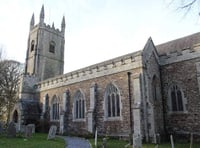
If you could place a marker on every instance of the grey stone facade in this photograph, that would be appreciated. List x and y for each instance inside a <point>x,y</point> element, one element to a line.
<point>164,88</point>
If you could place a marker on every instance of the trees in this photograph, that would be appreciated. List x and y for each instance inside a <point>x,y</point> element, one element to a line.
<point>10,72</point>
<point>187,5</point>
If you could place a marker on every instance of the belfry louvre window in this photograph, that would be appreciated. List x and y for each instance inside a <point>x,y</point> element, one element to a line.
<point>79,105</point>
<point>176,99</point>
<point>112,101</point>
<point>52,47</point>
<point>32,45</point>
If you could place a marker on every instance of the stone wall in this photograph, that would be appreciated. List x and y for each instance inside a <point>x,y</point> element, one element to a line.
<point>154,109</point>
<point>113,71</point>
<point>183,73</point>
<point>39,60</point>
<point>27,87</point>
<point>115,127</point>
<point>152,98</point>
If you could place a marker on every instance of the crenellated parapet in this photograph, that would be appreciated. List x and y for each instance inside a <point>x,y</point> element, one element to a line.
<point>120,64</point>
<point>180,55</point>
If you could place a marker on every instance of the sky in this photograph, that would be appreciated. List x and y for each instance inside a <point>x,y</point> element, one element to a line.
<point>96,30</point>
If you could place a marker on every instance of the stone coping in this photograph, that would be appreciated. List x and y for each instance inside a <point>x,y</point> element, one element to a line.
<point>119,64</point>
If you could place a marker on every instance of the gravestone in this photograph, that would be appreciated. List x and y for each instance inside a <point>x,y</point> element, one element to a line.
<point>32,126</point>
<point>104,143</point>
<point>30,129</point>
<point>137,141</point>
<point>22,128</point>
<point>11,132</point>
<point>52,132</point>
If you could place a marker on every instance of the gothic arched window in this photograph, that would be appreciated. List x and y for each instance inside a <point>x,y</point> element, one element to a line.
<point>65,100</point>
<point>46,102</point>
<point>52,46</point>
<point>79,105</point>
<point>176,99</point>
<point>55,108</point>
<point>155,89</point>
<point>112,101</point>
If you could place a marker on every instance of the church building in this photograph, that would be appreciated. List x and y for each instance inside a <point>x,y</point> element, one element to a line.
<point>154,91</point>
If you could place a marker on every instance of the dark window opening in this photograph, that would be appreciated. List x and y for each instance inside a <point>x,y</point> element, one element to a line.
<point>79,106</point>
<point>112,101</point>
<point>176,99</point>
<point>32,45</point>
<point>52,47</point>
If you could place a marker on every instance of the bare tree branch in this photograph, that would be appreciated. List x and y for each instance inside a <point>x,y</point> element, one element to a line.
<point>10,72</point>
<point>185,5</point>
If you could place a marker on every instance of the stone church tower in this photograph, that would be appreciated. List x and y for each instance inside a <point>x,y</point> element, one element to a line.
<point>45,51</point>
<point>44,60</point>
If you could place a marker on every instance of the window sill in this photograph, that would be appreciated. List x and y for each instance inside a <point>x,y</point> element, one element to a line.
<point>177,112</point>
<point>57,120</point>
<point>79,120</point>
<point>113,118</point>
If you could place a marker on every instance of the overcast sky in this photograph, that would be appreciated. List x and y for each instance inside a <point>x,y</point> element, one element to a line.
<point>96,30</point>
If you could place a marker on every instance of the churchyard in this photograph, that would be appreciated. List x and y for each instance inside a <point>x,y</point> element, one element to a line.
<point>27,138</point>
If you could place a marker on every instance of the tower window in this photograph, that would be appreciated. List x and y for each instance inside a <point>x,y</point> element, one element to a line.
<point>52,47</point>
<point>32,45</point>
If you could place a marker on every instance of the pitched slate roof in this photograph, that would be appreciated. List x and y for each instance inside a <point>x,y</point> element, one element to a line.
<point>180,44</point>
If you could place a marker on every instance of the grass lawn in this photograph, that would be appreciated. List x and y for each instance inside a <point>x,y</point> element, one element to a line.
<point>38,140</point>
<point>113,143</point>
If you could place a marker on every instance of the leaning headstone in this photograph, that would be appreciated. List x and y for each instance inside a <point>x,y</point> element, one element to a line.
<point>52,132</point>
<point>11,132</point>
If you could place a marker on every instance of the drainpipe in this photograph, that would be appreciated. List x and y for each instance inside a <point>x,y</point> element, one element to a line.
<point>163,104</point>
<point>130,106</point>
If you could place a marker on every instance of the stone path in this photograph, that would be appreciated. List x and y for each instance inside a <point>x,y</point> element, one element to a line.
<point>75,142</point>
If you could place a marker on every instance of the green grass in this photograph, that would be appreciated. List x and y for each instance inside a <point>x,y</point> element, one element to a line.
<point>114,143</point>
<point>38,140</point>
